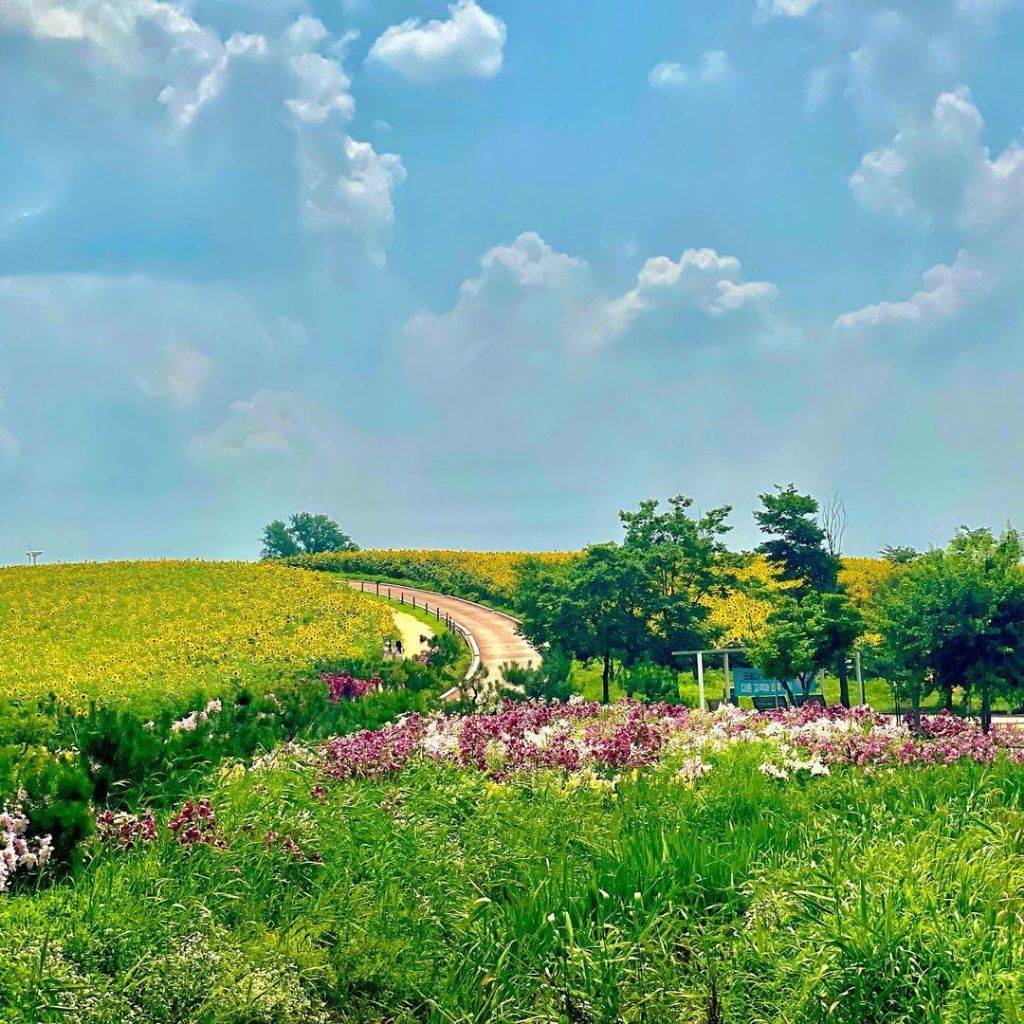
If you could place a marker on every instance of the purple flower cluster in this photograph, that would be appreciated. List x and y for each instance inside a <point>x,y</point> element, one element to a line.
<point>126,830</point>
<point>581,736</point>
<point>343,686</point>
<point>194,824</point>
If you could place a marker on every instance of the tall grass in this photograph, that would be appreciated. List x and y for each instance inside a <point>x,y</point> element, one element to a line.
<point>444,896</point>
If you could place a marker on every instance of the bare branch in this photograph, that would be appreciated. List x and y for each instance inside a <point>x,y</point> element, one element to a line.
<point>834,521</point>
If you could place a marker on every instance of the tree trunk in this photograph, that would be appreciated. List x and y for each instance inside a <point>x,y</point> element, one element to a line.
<point>606,678</point>
<point>986,708</point>
<point>947,702</point>
<point>842,670</point>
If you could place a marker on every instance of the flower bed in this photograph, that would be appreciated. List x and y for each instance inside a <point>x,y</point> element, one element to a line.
<point>584,736</point>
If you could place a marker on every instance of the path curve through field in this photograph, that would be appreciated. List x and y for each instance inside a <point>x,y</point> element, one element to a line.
<point>493,633</point>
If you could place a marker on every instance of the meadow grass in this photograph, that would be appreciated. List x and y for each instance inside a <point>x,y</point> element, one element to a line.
<point>441,895</point>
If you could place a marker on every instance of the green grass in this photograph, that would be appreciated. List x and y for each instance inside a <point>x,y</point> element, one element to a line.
<point>896,898</point>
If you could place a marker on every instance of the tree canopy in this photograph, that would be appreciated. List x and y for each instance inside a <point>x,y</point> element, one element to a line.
<point>306,533</point>
<point>797,544</point>
<point>638,599</point>
<point>955,617</point>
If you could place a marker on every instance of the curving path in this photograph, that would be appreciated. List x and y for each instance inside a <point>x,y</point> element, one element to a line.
<point>492,634</point>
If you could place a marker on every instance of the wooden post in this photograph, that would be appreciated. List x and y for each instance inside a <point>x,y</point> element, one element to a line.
<point>860,677</point>
<point>378,590</point>
<point>700,680</point>
<point>389,593</point>
<point>414,600</point>
<point>362,585</point>
<point>727,688</point>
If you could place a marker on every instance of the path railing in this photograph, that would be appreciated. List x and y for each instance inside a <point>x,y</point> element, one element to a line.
<point>388,591</point>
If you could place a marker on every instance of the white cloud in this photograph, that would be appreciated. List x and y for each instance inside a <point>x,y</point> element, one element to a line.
<point>787,8</point>
<point>158,50</point>
<point>945,292</point>
<point>938,170</point>
<point>323,89</point>
<point>186,62</point>
<point>531,303</point>
<point>470,44</point>
<point>180,376</point>
<point>700,279</point>
<point>271,425</point>
<point>890,58</point>
<point>714,66</point>
<point>347,185</point>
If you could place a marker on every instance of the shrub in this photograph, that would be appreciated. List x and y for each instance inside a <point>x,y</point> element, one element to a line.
<point>652,683</point>
<point>552,681</point>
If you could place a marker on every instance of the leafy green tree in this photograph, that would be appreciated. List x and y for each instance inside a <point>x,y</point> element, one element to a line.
<point>317,533</point>
<point>277,541</point>
<point>802,637</point>
<point>641,599</point>
<point>305,533</point>
<point>955,617</point>
<point>899,554</point>
<point>797,544</point>
<point>805,545</point>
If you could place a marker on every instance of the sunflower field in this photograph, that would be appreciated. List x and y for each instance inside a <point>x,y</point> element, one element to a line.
<point>488,576</point>
<point>140,632</point>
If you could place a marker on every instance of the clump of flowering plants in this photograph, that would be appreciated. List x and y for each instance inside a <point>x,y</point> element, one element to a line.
<point>343,686</point>
<point>17,852</point>
<point>580,736</point>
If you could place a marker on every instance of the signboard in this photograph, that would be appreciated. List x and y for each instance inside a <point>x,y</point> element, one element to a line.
<point>749,682</point>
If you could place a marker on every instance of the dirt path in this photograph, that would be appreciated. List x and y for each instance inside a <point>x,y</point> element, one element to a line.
<point>494,632</point>
<point>411,629</point>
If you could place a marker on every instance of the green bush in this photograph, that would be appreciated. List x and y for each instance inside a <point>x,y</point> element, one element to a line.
<point>551,681</point>
<point>652,683</point>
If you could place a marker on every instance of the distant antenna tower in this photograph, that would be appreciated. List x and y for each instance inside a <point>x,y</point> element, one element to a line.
<point>33,556</point>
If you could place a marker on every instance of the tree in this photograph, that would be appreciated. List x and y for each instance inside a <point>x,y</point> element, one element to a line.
<point>682,560</point>
<point>316,534</point>
<point>806,549</point>
<point>899,554</point>
<point>305,533</point>
<point>277,541</point>
<point>588,610</point>
<point>955,617</point>
<point>805,636</point>
<point>641,599</point>
<point>798,542</point>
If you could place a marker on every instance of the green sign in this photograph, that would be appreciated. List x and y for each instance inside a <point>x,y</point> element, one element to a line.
<point>749,682</point>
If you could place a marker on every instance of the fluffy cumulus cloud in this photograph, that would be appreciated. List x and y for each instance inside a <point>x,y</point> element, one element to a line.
<point>890,58</point>
<point>938,171</point>
<point>944,293</point>
<point>145,41</point>
<point>220,93</point>
<point>272,425</point>
<point>469,44</point>
<point>530,303</point>
<point>179,376</point>
<point>713,67</point>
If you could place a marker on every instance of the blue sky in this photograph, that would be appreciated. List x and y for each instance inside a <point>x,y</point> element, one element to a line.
<point>480,274</point>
